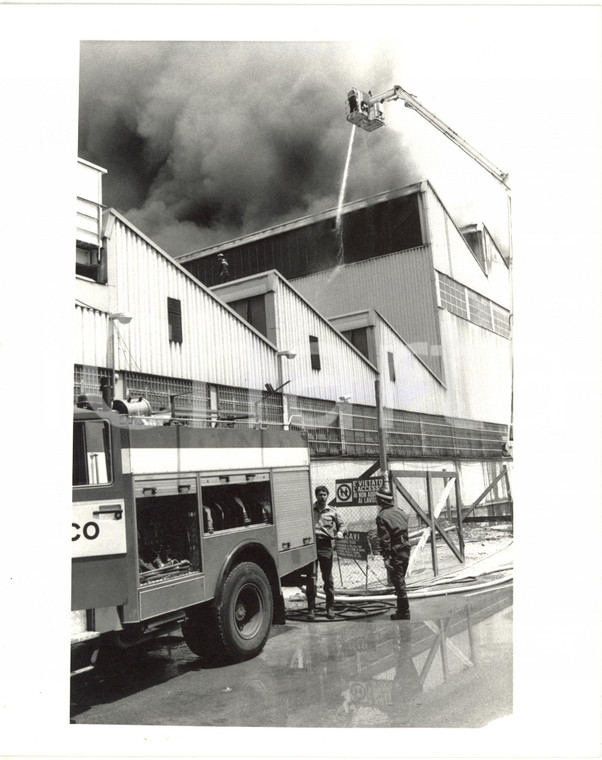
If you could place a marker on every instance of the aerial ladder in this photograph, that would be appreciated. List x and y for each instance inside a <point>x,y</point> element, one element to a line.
<point>365,110</point>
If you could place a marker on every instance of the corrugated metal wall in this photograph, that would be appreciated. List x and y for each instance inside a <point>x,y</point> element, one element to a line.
<point>400,286</point>
<point>217,346</point>
<point>343,372</point>
<point>89,200</point>
<point>453,257</point>
<point>478,370</point>
<point>415,389</point>
<point>91,337</point>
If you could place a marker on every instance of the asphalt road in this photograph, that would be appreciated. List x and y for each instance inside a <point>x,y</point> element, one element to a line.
<point>450,666</point>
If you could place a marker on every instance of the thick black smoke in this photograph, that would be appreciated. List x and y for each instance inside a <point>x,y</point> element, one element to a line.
<point>206,141</point>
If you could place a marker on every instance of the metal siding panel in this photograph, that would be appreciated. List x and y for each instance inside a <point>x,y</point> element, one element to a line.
<point>91,337</point>
<point>452,256</point>
<point>478,367</point>
<point>145,278</point>
<point>400,286</point>
<point>415,389</point>
<point>343,372</point>
<point>89,183</point>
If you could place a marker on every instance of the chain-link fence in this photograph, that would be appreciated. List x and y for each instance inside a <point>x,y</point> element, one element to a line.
<point>433,491</point>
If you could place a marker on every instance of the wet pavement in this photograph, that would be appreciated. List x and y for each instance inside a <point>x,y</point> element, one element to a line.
<point>450,666</point>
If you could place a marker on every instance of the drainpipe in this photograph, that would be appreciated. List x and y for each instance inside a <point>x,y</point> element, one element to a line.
<point>380,412</point>
<point>382,434</point>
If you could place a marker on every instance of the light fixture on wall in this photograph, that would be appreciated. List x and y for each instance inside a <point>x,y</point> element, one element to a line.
<point>345,399</point>
<point>123,317</point>
<point>289,354</point>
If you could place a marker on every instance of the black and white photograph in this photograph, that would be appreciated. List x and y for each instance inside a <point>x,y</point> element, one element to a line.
<point>310,381</point>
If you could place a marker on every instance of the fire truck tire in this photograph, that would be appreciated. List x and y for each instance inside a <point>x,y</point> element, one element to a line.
<point>244,610</point>
<point>199,634</point>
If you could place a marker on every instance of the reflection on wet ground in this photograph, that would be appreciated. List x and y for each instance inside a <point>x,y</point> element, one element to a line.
<point>450,666</point>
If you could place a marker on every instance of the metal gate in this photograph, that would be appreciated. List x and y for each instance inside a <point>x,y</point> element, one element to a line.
<point>437,517</point>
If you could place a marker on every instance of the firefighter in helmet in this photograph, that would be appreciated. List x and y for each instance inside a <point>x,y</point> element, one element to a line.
<point>392,529</point>
<point>224,270</point>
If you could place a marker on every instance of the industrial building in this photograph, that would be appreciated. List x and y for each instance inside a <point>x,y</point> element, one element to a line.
<point>314,313</point>
<point>146,329</point>
<point>399,252</point>
<point>149,332</point>
<point>427,303</point>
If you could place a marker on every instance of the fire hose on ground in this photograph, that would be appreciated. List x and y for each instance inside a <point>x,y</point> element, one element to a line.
<point>351,604</point>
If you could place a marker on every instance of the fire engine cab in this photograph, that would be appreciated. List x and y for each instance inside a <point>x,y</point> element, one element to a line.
<point>173,525</point>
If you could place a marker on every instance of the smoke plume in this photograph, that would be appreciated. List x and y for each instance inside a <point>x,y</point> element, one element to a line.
<point>206,141</point>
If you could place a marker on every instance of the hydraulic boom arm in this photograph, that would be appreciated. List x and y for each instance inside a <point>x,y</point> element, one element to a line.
<point>364,110</point>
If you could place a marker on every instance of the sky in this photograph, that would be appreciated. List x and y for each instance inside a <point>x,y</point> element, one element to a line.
<point>205,141</point>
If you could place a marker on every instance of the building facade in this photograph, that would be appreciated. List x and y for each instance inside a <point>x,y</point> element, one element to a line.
<point>395,294</point>
<point>426,302</point>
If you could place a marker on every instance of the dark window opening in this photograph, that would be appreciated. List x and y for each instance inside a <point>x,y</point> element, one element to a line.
<point>391,366</point>
<point>359,339</point>
<point>379,229</point>
<point>252,310</point>
<point>88,262</point>
<point>174,319</point>
<point>475,243</point>
<point>314,351</point>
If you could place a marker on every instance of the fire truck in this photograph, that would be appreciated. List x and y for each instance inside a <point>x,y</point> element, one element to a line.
<point>181,526</point>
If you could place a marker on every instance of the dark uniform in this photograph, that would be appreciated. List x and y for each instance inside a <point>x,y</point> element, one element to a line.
<point>224,271</point>
<point>392,529</point>
<point>327,523</point>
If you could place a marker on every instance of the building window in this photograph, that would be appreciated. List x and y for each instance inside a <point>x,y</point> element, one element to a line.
<point>480,311</point>
<point>474,238</point>
<point>88,261</point>
<point>453,296</point>
<point>314,352</point>
<point>358,338</point>
<point>472,306</point>
<point>391,366</point>
<point>184,398</point>
<point>252,310</point>
<point>501,320</point>
<point>88,380</point>
<point>174,319</point>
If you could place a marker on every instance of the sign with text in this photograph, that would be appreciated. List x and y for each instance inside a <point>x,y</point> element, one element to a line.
<point>356,492</point>
<point>355,545</point>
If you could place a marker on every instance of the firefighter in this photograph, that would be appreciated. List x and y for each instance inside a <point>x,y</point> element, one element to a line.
<point>224,271</point>
<point>328,525</point>
<point>392,528</point>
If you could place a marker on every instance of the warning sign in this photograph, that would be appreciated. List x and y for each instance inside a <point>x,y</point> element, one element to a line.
<point>355,492</point>
<point>356,545</point>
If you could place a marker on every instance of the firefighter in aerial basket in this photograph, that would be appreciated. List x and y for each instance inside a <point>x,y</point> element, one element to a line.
<point>392,528</point>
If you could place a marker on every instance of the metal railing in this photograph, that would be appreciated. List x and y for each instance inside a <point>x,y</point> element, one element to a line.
<point>333,429</point>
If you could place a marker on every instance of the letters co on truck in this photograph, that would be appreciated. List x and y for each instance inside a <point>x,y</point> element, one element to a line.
<point>184,526</point>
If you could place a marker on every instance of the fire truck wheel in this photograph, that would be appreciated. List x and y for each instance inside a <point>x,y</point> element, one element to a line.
<point>244,611</point>
<point>199,634</point>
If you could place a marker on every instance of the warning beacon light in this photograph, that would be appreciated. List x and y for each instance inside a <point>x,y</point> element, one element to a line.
<point>362,112</point>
